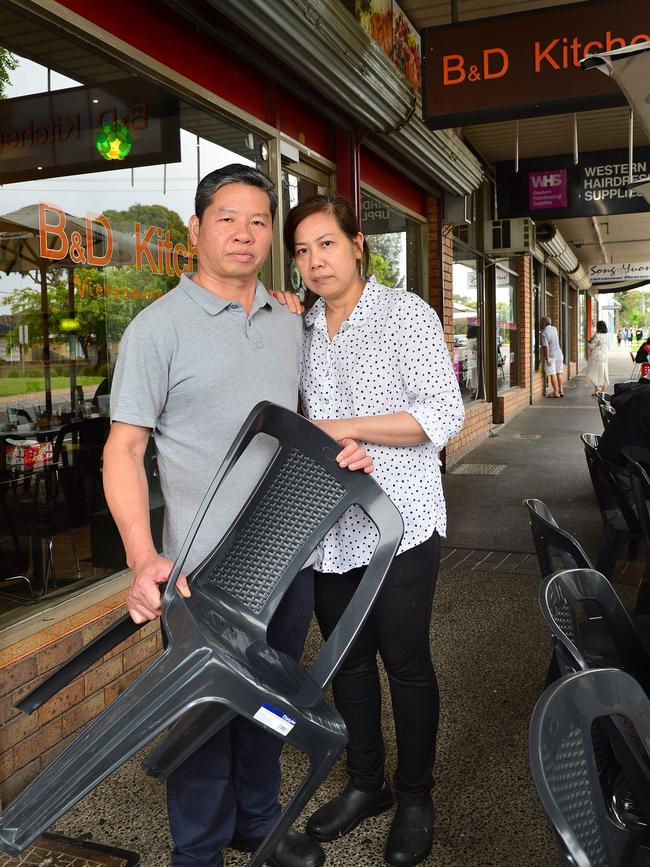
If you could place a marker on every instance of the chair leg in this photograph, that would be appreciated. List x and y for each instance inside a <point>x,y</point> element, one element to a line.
<point>609,550</point>
<point>319,767</point>
<point>74,553</point>
<point>194,729</point>
<point>137,715</point>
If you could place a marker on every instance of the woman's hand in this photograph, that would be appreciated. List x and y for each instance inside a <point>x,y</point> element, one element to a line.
<point>290,300</point>
<point>353,456</point>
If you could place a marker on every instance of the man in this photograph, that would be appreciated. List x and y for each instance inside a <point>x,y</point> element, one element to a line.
<point>191,367</point>
<point>553,358</point>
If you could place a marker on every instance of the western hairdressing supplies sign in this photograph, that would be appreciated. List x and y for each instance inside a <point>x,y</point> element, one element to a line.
<point>527,63</point>
<point>555,188</point>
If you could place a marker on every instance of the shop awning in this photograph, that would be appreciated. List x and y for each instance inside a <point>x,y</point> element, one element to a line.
<point>322,44</point>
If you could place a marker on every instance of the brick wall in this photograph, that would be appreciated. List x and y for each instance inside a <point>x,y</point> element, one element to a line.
<point>478,421</point>
<point>509,403</point>
<point>30,743</point>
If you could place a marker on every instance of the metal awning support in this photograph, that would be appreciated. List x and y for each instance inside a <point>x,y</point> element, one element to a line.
<point>629,67</point>
<point>324,46</point>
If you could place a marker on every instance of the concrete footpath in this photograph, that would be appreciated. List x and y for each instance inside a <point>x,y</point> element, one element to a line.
<point>542,456</point>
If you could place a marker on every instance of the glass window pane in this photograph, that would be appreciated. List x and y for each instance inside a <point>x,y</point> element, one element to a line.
<point>467,324</point>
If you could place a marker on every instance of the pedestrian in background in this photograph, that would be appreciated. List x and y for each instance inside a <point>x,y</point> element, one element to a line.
<point>597,368</point>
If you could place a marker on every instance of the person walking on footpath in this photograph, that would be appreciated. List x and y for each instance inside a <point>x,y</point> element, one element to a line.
<point>376,367</point>
<point>553,357</point>
<point>190,368</point>
<point>597,367</point>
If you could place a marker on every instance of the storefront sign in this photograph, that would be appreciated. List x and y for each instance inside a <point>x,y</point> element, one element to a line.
<point>619,272</point>
<point>94,243</point>
<point>525,64</point>
<point>555,188</point>
<point>87,129</point>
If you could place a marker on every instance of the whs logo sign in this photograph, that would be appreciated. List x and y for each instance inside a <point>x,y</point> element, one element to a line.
<point>548,189</point>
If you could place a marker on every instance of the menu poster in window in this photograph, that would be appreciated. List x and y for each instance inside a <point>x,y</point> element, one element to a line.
<point>123,124</point>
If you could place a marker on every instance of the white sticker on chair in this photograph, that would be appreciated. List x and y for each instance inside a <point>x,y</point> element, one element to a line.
<point>275,719</point>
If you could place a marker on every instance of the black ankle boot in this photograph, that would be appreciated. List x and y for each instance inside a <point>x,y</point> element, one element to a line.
<point>411,835</point>
<point>294,850</point>
<point>345,812</point>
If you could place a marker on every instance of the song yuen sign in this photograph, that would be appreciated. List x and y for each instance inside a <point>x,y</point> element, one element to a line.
<point>525,64</point>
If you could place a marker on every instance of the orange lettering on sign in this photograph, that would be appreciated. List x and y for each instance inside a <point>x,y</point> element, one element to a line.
<point>453,69</point>
<point>142,248</point>
<point>99,261</point>
<point>499,67</point>
<point>58,230</point>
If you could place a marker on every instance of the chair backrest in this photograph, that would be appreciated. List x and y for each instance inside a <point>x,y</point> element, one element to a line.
<point>606,489</point>
<point>607,412</point>
<point>14,554</point>
<point>638,460</point>
<point>561,597</point>
<point>565,769</point>
<point>549,539</point>
<point>300,496</point>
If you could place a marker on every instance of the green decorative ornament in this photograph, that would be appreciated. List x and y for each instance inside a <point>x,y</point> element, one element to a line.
<point>114,140</point>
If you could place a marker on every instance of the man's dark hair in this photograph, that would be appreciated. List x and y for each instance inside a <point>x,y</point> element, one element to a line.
<point>235,173</point>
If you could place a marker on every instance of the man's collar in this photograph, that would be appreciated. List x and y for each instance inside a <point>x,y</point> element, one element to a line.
<point>214,304</point>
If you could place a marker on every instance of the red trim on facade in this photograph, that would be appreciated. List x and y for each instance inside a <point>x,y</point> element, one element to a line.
<point>384,178</point>
<point>169,38</point>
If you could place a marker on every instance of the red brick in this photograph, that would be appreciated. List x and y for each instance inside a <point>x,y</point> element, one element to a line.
<point>17,729</point>
<point>103,674</point>
<point>6,765</point>
<point>60,651</point>
<point>62,701</point>
<point>34,746</point>
<point>112,691</point>
<point>139,652</point>
<point>17,673</point>
<point>82,713</point>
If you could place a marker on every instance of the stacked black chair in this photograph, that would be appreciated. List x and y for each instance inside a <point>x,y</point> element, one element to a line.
<point>14,553</point>
<point>551,541</point>
<point>607,412</point>
<point>638,460</point>
<point>567,772</point>
<point>217,663</point>
<point>620,523</point>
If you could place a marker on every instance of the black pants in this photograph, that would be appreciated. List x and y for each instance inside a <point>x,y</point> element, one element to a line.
<point>397,629</point>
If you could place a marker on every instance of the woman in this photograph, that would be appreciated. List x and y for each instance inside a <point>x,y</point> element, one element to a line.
<point>376,367</point>
<point>597,372</point>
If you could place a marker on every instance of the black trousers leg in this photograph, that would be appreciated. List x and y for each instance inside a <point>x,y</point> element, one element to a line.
<point>398,629</point>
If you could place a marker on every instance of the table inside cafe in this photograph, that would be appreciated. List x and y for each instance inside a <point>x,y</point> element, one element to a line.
<point>50,483</point>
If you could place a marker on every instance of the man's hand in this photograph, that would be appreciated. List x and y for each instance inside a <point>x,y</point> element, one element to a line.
<point>353,456</point>
<point>290,300</point>
<point>144,597</point>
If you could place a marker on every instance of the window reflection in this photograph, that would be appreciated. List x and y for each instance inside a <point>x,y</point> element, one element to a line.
<point>507,329</point>
<point>467,325</point>
<point>81,254</point>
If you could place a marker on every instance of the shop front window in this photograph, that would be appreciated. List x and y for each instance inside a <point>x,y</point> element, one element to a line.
<point>98,176</point>
<point>396,245</point>
<point>467,307</point>
<point>507,328</point>
<point>582,326</point>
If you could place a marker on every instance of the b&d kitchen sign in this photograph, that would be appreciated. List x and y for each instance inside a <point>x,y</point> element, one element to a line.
<point>554,188</point>
<point>87,129</point>
<point>525,64</point>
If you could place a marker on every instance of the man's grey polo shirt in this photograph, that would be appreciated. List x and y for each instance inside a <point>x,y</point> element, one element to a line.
<point>191,367</point>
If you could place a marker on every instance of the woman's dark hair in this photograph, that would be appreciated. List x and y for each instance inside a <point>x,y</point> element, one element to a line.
<point>601,327</point>
<point>235,173</point>
<point>338,207</point>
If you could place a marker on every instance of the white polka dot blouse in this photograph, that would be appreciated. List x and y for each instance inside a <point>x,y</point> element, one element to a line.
<point>389,356</point>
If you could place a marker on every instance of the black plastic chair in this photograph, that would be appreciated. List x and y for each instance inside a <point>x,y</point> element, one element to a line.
<point>639,465</point>
<point>216,650</point>
<point>14,553</point>
<point>607,412</point>
<point>567,772</point>
<point>620,524</point>
<point>550,540</point>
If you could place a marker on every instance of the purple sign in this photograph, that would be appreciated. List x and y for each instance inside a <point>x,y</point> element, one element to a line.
<point>548,189</point>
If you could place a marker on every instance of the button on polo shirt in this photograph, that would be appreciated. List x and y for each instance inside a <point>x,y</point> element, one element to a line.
<point>191,367</point>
